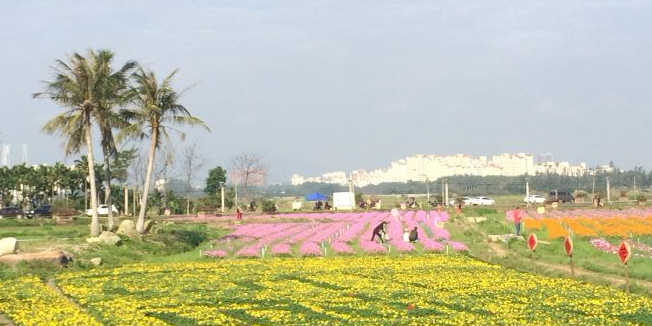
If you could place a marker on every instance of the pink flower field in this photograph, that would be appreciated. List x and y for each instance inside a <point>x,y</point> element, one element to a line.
<point>321,234</point>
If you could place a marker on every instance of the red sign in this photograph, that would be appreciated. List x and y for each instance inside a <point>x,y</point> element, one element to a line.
<point>532,241</point>
<point>624,252</point>
<point>568,245</point>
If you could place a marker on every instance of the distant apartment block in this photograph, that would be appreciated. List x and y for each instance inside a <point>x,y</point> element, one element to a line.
<point>432,167</point>
<point>5,155</point>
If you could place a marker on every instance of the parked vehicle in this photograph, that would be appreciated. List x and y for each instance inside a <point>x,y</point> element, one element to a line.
<point>102,210</point>
<point>43,210</point>
<point>482,201</point>
<point>534,199</point>
<point>11,211</point>
<point>465,201</point>
<point>560,196</point>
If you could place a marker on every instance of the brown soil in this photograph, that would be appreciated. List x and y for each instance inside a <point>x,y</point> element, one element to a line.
<point>5,321</point>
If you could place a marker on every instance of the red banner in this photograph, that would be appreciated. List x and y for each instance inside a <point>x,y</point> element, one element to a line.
<point>568,245</point>
<point>532,241</point>
<point>624,252</point>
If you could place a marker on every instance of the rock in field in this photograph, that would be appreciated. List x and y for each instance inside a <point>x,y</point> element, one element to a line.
<point>148,225</point>
<point>110,238</point>
<point>56,257</point>
<point>8,246</point>
<point>128,229</point>
<point>106,237</point>
<point>97,261</point>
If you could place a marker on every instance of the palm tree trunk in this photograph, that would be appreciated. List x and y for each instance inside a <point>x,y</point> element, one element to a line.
<point>140,225</point>
<point>95,221</point>
<point>107,190</point>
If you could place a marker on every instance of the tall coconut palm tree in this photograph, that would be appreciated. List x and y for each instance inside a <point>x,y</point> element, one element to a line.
<point>157,109</point>
<point>81,85</point>
<point>107,118</point>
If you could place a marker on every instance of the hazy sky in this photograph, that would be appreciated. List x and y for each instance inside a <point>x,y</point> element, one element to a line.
<point>320,86</point>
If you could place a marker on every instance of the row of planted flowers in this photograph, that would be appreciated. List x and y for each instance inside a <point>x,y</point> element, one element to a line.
<point>589,222</point>
<point>638,249</point>
<point>354,290</point>
<point>339,233</point>
<point>28,301</point>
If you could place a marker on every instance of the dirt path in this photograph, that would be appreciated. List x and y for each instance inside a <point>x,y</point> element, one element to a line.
<point>5,321</point>
<point>50,283</point>
<point>613,280</point>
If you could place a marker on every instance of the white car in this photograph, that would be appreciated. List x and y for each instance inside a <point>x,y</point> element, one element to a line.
<point>482,201</point>
<point>102,210</point>
<point>534,199</point>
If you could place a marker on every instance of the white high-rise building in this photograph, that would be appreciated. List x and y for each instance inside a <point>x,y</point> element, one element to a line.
<point>432,167</point>
<point>5,155</point>
<point>23,147</point>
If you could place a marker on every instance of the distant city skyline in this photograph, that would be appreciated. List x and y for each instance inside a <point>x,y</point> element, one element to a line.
<point>431,167</point>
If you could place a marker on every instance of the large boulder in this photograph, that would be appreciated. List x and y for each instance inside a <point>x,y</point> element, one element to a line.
<point>8,246</point>
<point>55,257</point>
<point>110,238</point>
<point>128,229</point>
<point>97,261</point>
<point>106,237</point>
<point>148,225</point>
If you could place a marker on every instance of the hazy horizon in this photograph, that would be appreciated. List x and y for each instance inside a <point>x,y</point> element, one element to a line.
<point>325,86</point>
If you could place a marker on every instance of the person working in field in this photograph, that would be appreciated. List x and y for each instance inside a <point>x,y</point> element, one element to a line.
<point>414,235</point>
<point>379,231</point>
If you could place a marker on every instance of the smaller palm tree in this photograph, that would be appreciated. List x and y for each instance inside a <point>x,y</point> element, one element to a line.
<point>157,110</point>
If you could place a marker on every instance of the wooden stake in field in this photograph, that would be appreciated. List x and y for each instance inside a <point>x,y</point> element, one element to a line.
<point>568,245</point>
<point>625,252</point>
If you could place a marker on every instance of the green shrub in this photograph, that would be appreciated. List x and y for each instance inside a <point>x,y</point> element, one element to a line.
<point>641,198</point>
<point>269,206</point>
<point>189,237</point>
<point>479,211</point>
<point>580,194</point>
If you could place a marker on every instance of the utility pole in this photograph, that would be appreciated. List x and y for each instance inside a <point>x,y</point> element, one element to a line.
<point>222,193</point>
<point>133,200</point>
<point>236,195</point>
<point>527,191</point>
<point>126,200</point>
<point>608,191</point>
<point>428,189</point>
<point>352,191</point>
<point>85,197</point>
<point>446,190</point>
<point>442,192</point>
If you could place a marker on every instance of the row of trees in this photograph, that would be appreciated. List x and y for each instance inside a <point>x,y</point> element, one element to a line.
<point>32,185</point>
<point>636,178</point>
<point>129,103</point>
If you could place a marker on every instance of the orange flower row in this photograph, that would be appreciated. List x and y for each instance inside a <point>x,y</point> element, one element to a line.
<point>592,227</point>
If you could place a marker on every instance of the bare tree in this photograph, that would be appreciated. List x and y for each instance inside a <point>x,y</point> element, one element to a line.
<point>192,162</point>
<point>248,169</point>
<point>136,175</point>
<point>164,165</point>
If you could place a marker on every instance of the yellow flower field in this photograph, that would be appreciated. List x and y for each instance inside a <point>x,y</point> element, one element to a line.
<point>366,290</point>
<point>28,301</point>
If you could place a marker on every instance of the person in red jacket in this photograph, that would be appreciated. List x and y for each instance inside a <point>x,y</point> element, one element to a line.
<point>238,213</point>
<point>517,221</point>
